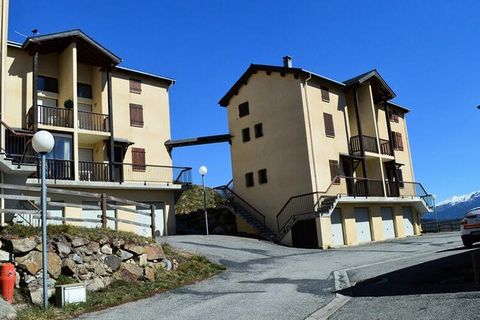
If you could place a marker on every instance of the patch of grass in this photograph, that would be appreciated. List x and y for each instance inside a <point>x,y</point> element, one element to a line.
<point>93,234</point>
<point>191,269</point>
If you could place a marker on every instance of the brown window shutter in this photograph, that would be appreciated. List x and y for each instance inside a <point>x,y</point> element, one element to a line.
<point>329,128</point>
<point>325,94</point>
<point>334,172</point>
<point>136,115</point>
<point>138,159</point>
<point>399,141</point>
<point>400,178</point>
<point>135,86</point>
<point>395,117</point>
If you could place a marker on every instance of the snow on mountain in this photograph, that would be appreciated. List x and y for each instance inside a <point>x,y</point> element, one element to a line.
<point>455,207</point>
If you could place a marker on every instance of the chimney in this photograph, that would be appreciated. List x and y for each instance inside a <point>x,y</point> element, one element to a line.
<point>287,62</point>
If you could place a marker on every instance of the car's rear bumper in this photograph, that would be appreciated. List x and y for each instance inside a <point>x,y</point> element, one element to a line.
<point>471,237</point>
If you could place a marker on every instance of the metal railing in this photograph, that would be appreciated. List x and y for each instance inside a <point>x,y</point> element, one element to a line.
<point>57,170</point>
<point>93,121</point>
<point>440,226</point>
<point>370,145</point>
<point>50,116</point>
<point>94,171</point>
<point>18,146</point>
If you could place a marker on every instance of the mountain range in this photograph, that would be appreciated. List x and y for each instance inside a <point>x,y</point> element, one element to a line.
<point>455,207</point>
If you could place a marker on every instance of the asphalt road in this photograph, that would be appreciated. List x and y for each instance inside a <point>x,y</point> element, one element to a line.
<point>267,281</point>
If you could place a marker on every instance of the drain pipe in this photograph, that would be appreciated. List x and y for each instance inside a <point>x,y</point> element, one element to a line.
<point>310,131</point>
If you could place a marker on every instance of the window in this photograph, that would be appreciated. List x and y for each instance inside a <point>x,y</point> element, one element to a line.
<point>400,178</point>
<point>47,84</point>
<point>397,141</point>
<point>246,134</point>
<point>334,172</point>
<point>135,86</point>
<point>243,110</point>
<point>329,129</point>
<point>136,115</point>
<point>325,94</point>
<point>258,130</point>
<point>262,176</point>
<point>249,179</point>
<point>393,116</point>
<point>84,90</point>
<point>138,159</point>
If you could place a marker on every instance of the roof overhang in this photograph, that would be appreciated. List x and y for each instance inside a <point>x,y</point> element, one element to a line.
<point>380,89</point>
<point>397,106</point>
<point>88,50</point>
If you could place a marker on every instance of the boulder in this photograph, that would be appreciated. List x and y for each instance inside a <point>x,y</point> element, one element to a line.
<point>76,258</point>
<point>23,245</point>
<point>128,272</point>
<point>154,252</point>
<point>32,262</point>
<point>83,250</point>
<point>86,276</point>
<point>142,260</point>
<point>54,265</point>
<point>150,274</point>
<point>5,256</point>
<point>106,249</point>
<point>63,249</point>
<point>124,255</point>
<point>95,284</point>
<point>93,246</point>
<point>69,267</point>
<point>77,242</point>
<point>7,311</point>
<point>113,262</point>
<point>133,248</point>
<point>118,243</point>
<point>36,294</point>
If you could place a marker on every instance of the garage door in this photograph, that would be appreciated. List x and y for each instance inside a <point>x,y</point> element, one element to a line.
<point>337,228</point>
<point>388,226</point>
<point>147,232</point>
<point>408,221</point>
<point>362,219</point>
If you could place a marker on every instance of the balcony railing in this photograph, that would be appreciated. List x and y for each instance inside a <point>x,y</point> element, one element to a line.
<point>57,170</point>
<point>93,121</point>
<point>127,172</point>
<point>50,116</point>
<point>370,145</point>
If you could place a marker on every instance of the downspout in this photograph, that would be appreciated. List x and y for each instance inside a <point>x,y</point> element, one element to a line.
<point>310,131</point>
<point>110,120</point>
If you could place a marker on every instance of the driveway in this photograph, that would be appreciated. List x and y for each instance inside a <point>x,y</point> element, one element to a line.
<point>267,281</point>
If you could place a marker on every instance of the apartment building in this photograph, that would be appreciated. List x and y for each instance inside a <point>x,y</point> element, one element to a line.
<point>318,162</point>
<point>109,124</point>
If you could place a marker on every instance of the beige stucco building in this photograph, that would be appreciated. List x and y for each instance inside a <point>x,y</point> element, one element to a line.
<point>109,124</point>
<point>318,162</point>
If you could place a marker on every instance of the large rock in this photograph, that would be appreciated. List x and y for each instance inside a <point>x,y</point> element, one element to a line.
<point>150,274</point>
<point>5,256</point>
<point>54,265</point>
<point>63,249</point>
<point>36,294</point>
<point>95,284</point>
<point>77,242</point>
<point>113,262</point>
<point>69,267</point>
<point>106,249</point>
<point>124,255</point>
<point>118,243</point>
<point>128,272</point>
<point>23,245</point>
<point>76,258</point>
<point>142,260</point>
<point>32,262</point>
<point>136,249</point>
<point>7,311</point>
<point>154,252</point>
<point>93,246</point>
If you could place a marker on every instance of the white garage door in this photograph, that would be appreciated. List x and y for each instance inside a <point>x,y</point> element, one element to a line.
<point>388,226</point>
<point>362,219</point>
<point>54,212</point>
<point>337,228</point>
<point>147,232</point>
<point>408,221</point>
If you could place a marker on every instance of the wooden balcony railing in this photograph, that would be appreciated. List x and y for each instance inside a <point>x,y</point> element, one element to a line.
<point>370,145</point>
<point>93,121</point>
<point>385,147</point>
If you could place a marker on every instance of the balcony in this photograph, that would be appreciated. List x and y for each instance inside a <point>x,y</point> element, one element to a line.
<point>57,170</point>
<point>63,117</point>
<point>370,145</point>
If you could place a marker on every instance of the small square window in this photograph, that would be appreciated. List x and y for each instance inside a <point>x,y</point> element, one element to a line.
<point>325,94</point>
<point>84,90</point>
<point>243,110</point>
<point>246,134</point>
<point>47,84</point>
<point>135,86</point>
<point>262,176</point>
<point>249,179</point>
<point>258,130</point>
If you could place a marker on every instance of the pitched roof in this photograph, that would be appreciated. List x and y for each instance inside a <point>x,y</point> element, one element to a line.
<point>89,51</point>
<point>169,81</point>
<point>380,85</point>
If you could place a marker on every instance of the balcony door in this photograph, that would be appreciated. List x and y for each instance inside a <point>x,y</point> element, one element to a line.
<point>60,159</point>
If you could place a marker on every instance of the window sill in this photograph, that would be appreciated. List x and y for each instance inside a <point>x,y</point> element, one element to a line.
<point>330,135</point>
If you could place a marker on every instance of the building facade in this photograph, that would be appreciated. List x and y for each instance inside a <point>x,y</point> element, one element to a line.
<point>109,124</point>
<point>322,163</point>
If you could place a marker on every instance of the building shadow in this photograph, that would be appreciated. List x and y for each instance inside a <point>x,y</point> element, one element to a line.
<point>451,274</point>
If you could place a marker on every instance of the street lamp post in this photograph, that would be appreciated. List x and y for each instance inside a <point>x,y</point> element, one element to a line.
<point>43,143</point>
<point>203,171</point>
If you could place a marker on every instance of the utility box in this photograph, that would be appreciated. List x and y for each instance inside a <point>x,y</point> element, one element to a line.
<point>70,293</point>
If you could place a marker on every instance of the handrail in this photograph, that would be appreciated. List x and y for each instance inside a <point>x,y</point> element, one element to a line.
<point>20,134</point>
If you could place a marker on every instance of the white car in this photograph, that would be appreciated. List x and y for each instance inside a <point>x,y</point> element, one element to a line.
<point>470,227</point>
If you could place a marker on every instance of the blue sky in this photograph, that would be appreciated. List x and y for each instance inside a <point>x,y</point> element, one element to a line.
<point>428,52</point>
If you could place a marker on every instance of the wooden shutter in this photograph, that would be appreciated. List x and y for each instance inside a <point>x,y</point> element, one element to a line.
<point>329,128</point>
<point>400,178</point>
<point>135,86</point>
<point>136,115</point>
<point>334,172</point>
<point>395,117</point>
<point>399,141</point>
<point>325,94</point>
<point>138,159</point>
